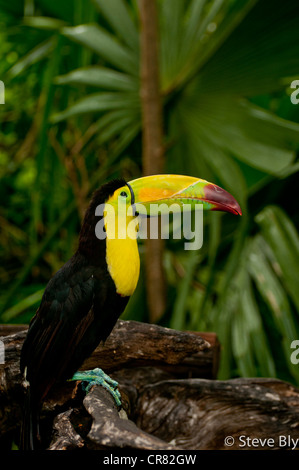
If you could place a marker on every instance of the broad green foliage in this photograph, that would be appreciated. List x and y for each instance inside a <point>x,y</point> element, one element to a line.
<point>225,73</point>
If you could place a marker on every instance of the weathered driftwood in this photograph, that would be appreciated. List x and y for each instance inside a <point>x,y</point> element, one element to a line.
<point>132,344</point>
<point>170,398</point>
<point>108,428</point>
<point>205,414</point>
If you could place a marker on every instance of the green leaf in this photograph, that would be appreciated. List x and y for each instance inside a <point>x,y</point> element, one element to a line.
<point>118,15</point>
<point>44,22</point>
<point>101,77</point>
<point>196,37</point>
<point>37,53</point>
<point>259,139</point>
<point>283,239</point>
<point>218,25</point>
<point>241,347</point>
<point>222,165</point>
<point>125,138</point>
<point>290,170</point>
<point>221,321</point>
<point>34,257</point>
<point>275,297</point>
<point>253,329</point>
<point>105,45</point>
<point>179,312</point>
<point>259,53</point>
<point>271,289</point>
<point>171,16</point>
<point>99,102</point>
<point>24,304</point>
<point>111,125</point>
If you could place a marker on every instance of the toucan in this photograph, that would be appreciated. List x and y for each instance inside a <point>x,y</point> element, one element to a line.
<point>84,299</point>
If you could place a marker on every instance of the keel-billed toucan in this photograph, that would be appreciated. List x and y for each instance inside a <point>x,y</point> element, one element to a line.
<point>84,299</point>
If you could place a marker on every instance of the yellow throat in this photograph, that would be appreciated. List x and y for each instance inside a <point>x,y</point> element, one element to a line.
<point>122,256</point>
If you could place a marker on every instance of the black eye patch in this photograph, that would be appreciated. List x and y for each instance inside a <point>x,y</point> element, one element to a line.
<point>132,194</point>
<point>132,199</point>
<point>123,194</point>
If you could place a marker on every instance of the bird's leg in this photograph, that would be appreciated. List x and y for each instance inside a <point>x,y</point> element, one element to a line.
<point>98,377</point>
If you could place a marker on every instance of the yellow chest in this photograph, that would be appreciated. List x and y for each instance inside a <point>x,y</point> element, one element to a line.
<point>123,263</point>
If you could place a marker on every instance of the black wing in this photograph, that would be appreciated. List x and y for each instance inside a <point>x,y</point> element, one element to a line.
<point>71,320</point>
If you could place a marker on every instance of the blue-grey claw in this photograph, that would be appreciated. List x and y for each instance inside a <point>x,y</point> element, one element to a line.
<point>98,377</point>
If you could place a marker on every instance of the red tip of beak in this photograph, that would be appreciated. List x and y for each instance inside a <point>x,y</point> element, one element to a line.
<point>221,199</point>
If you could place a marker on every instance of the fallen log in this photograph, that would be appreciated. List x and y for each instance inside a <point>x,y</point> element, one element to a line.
<point>170,398</point>
<point>217,415</point>
<point>130,345</point>
<point>133,344</point>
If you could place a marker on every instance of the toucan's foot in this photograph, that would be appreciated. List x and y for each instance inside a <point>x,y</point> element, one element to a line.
<point>98,377</point>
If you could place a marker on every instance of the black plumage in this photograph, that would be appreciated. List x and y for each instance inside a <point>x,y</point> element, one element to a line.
<point>78,310</point>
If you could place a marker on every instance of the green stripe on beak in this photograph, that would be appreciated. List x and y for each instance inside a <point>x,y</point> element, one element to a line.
<point>156,193</point>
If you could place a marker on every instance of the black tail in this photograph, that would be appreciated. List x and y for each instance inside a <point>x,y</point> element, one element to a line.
<point>29,439</point>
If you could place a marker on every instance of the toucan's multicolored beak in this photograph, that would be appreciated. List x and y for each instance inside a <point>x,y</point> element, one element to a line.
<point>151,192</point>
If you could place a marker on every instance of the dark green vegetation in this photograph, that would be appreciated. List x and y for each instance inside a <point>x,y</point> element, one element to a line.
<point>72,120</point>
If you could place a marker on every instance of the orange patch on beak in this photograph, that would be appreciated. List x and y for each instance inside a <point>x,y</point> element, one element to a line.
<point>154,194</point>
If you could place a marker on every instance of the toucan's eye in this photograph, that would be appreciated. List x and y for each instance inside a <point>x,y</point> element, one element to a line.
<point>123,194</point>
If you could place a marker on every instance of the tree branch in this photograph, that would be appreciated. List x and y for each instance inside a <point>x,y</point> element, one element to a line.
<point>162,407</point>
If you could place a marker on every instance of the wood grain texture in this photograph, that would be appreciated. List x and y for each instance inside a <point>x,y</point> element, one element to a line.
<point>170,397</point>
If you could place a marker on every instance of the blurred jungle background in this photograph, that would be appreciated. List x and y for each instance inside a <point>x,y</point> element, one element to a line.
<point>96,89</point>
